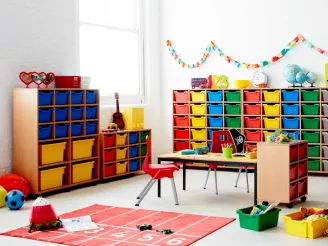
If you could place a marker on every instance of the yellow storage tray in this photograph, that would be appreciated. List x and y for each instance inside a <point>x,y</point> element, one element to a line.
<point>121,139</point>
<point>83,148</point>
<point>198,134</point>
<point>271,109</point>
<point>271,96</point>
<point>267,134</point>
<point>195,145</point>
<point>198,108</point>
<point>51,178</point>
<point>52,153</point>
<point>271,123</point>
<point>307,229</point>
<point>198,122</point>
<point>198,96</point>
<point>121,154</point>
<point>121,167</point>
<point>82,172</point>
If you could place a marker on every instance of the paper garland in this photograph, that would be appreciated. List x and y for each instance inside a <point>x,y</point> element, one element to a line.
<point>212,47</point>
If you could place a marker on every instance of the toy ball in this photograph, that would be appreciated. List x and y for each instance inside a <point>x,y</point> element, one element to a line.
<point>300,77</point>
<point>14,182</point>
<point>15,199</point>
<point>3,194</point>
<point>290,73</point>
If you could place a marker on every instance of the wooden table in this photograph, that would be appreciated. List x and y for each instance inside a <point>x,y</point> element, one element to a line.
<point>211,158</point>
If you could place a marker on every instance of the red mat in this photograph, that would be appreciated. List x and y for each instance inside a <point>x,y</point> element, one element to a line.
<point>117,226</point>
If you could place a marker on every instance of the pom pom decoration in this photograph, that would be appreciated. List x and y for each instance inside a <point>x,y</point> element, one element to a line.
<point>14,199</point>
<point>14,182</point>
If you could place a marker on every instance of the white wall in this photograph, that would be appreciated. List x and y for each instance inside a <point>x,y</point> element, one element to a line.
<point>249,31</point>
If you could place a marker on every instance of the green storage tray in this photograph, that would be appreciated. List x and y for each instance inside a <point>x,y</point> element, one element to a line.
<point>232,108</point>
<point>143,136</point>
<point>314,151</point>
<point>232,96</point>
<point>143,150</point>
<point>258,222</point>
<point>310,95</point>
<point>310,109</point>
<point>233,122</point>
<point>311,137</point>
<point>314,165</point>
<point>141,162</point>
<point>310,123</point>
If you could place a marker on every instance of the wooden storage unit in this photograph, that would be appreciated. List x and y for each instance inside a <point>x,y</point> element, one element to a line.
<point>122,152</point>
<point>50,128</point>
<point>282,173</point>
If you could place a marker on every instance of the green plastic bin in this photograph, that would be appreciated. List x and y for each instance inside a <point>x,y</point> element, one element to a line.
<point>141,163</point>
<point>233,122</point>
<point>310,109</point>
<point>314,151</point>
<point>258,222</point>
<point>143,136</point>
<point>310,95</point>
<point>310,123</point>
<point>143,150</point>
<point>314,165</point>
<point>232,96</point>
<point>232,108</point>
<point>311,137</point>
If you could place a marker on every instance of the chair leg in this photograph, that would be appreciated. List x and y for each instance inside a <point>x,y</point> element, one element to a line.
<point>208,174</point>
<point>216,182</point>
<point>238,177</point>
<point>174,192</point>
<point>146,191</point>
<point>247,179</point>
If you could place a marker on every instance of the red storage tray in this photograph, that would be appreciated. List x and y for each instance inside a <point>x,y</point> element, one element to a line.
<point>302,185</point>
<point>110,169</point>
<point>293,172</point>
<point>68,81</point>
<point>293,153</point>
<point>253,109</point>
<point>302,151</point>
<point>181,96</point>
<point>253,135</point>
<point>302,169</point>
<point>250,146</point>
<point>253,122</point>
<point>181,145</point>
<point>109,155</point>
<point>109,141</point>
<point>293,192</point>
<point>181,134</point>
<point>252,96</point>
<point>181,120</point>
<point>181,108</point>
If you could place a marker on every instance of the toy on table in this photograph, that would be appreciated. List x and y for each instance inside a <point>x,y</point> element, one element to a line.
<point>14,182</point>
<point>187,152</point>
<point>3,194</point>
<point>14,199</point>
<point>118,116</point>
<point>112,127</point>
<point>199,83</point>
<point>251,154</point>
<point>202,151</point>
<point>279,137</point>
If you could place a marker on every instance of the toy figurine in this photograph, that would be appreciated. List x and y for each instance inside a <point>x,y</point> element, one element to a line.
<point>112,127</point>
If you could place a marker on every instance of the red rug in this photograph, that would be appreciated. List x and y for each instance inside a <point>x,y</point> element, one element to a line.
<point>117,226</point>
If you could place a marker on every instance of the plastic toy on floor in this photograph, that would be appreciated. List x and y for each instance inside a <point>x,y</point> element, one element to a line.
<point>14,199</point>
<point>14,182</point>
<point>3,194</point>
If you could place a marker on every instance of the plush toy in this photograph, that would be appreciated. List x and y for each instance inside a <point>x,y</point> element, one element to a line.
<point>3,194</point>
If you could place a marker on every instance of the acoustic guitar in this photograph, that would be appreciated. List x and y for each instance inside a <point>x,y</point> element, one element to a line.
<point>117,116</point>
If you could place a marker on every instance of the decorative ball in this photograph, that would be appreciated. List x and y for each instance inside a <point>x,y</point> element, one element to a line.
<point>14,182</point>
<point>290,73</point>
<point>15,199</point>
<point>311,77</point>
<point>300,77</point>
<point>3,194</point>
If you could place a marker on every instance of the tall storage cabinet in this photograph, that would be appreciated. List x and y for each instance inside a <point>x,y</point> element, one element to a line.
<point>56,137</point>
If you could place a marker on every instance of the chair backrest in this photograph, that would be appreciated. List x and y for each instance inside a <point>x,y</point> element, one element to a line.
<point>146,165</point>
<point>219,138</point>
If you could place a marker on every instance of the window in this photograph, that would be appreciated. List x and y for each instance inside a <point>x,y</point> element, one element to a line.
<point>111,48</point>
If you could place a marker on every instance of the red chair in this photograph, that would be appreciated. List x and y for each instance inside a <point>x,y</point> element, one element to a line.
<point>157,171</point>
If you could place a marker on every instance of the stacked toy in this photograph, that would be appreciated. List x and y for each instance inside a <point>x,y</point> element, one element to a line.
<point>279,137</point>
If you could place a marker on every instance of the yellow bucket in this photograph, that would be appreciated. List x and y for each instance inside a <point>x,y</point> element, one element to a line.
<point>271,123</point>
<point>195,145</point>
<point>271,109</point>
<point>121,167</point>
<point>198,122</point>
<point>52,153</point>
<point>198,134</point>
<point>83,148</point>
<point>198,96</point>
<point>52,178</point>
<point>271,96</point>
<point>198,109</point>
<point>82,172</point>
<point>121,139</point>
<point>121,154</point>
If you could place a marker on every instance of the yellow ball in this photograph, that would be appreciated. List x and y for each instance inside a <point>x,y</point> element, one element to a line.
<point>3,194</point>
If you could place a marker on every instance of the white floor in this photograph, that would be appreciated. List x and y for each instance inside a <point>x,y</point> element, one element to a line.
<point>194,200</point>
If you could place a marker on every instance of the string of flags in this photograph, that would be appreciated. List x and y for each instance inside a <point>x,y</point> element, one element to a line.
<point>213,48</point>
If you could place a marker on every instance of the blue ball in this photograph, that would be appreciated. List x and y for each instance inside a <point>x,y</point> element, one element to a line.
<point>15,199</point>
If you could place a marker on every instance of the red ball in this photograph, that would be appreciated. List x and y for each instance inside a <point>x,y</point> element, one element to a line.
<point>14,182</point>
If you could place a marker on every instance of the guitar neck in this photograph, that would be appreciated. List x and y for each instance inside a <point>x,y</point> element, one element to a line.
<point>117,106</point>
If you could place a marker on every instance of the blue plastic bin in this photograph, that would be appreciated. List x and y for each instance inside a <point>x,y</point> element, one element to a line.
<point>133,151</point>
<point>77,97</point>
<point>91,127</point>
<point>76,129</point>
<point>293,134</point>
<point>61,131</point>
<point>91,113</point>
<point>45,115</point>
<point>61,97</point>
<point>45,98</point>
<point>290,96</point>
<point>133,137</point>
<point>215,121</point>
<point>134,165</point>
<point>61,114</point>
<point>290,109</point>
<point>209,134</point>
<point>45,132</point>
<point>209,144</point>
<point>290,123</point>
<point>76,113</point>
<point>214,96</point>
<point>215,108</point>
<point>91,97</point>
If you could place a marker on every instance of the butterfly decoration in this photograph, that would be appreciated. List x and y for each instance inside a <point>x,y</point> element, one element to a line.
<point>38,78</point>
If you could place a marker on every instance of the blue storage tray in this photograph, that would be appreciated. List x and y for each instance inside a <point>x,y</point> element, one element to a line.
<point>61,114</point>
<point>294,135</point>
<point>91,127</point>
<point>134,165</point>
<point>76,113</point>
<point>133,137</point>
<point>91,113</point>
<point>215,108</point>
<point>45,132</point>
<point>290,123</point>
<point>209,134</point>
<point>214,96</point>
<point>215,121</point>
<point>290,96</point>
<point>45,98</point>
<point>209,144</point>
<point>61,97</point>
<point>76,129</point>
<point>77,97</point>
<point>61,131</point>
<point>45,115</point>
<point>133,151</point>
<point>290,109</point>
<point>91,97</point>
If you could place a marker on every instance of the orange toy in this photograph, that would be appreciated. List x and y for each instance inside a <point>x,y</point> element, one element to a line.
<point>14,182</point>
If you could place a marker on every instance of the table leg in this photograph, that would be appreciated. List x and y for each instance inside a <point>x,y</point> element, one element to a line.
<point>184,175</point>
<point>255,184</point>
<point>159,183</point>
